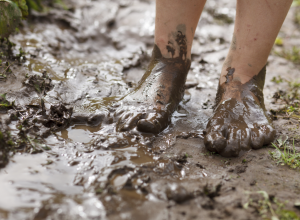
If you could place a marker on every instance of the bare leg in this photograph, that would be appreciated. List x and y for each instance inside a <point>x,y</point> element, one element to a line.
<point>173,16</point>
<point>240,121</point>
<point>161,88</point>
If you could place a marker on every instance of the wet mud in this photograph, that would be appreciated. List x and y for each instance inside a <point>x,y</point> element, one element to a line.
<point>69,151</point>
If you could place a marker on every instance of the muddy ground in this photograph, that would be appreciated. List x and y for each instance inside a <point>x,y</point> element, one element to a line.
<point>63,159</point>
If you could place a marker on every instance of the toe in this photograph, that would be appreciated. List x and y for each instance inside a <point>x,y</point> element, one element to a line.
<point>257,138</point>
<point>269,133</point>
<point>245,139</point>
<point>233,143</point>
<point>214,141</point>
<point>154,123</point>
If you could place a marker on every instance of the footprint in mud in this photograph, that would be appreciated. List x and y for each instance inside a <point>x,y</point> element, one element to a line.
<point>240,121</point>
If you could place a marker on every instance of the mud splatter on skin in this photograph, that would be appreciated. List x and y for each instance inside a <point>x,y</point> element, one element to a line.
<point>229,75</point>
<point>170,48</point>
<point>240,121</point>
<point>181,41</point>
<point>159,91</point>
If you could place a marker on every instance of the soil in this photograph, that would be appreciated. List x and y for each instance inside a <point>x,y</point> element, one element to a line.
<point>62,157</point>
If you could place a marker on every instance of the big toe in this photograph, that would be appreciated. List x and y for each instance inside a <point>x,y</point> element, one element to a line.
<point>153,123</point>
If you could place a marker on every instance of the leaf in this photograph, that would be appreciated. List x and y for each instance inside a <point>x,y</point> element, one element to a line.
<point>3,96</point>
<point>281,141</point>
<point>35,5</point>
<point>264,194</point>
<point>279,41</point>
<point>37,88</point>
<point>10,17</point>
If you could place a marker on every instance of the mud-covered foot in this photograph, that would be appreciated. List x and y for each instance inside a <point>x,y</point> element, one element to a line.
<point>150,105</point>
<point>240,121</point>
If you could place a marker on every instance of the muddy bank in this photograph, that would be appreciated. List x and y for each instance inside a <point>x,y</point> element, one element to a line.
<point>69,161</point>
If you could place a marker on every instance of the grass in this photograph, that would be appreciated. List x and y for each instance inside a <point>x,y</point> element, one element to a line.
<point>279,41</point>
<point>277,80</point>
<point>269,207</point>
<point>4,104</point>
<point>186,155</point>
<point>285,155</point>
<point>290,54</point>
<point>291,98</point>
<point>296,3</point>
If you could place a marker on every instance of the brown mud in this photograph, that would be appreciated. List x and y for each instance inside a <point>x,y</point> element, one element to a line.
<point>62,156</point>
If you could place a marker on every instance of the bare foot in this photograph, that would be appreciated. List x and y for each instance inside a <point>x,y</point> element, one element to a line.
<point>240,121</point>
<point>149,107</point>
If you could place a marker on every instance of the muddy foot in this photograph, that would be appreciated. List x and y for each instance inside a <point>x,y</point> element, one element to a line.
<point>150,106</point>
<point>240,121</point>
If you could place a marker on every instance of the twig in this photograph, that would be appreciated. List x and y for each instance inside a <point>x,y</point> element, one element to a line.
<point>8,67</point>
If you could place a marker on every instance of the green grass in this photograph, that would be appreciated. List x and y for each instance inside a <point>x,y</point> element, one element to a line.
<point>291,97</point>
<point>4,104</point>
<point>290,54</point>
<point>296,3</point>
<point>270,207</point>
<point>285,155</point>
<point>277,80</point>
<point>279,41</point>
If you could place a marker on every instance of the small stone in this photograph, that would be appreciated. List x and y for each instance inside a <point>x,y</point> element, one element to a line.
<point>200,165</point>
<point>231,170</point>
<point>240,169</point>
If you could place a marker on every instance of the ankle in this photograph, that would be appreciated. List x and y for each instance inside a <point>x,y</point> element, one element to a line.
<point>243,73</point>
<point>179,47</point>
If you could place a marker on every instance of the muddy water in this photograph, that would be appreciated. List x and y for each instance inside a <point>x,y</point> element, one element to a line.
<point>87,76</point>
<point>95,53</point>
<point>65,181</point>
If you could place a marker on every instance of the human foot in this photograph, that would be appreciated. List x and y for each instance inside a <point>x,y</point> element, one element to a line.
<point>240,121</point>
<point>150,105</point>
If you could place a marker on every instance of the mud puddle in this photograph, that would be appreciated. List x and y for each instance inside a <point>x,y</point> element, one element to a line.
<point>77,165</point>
